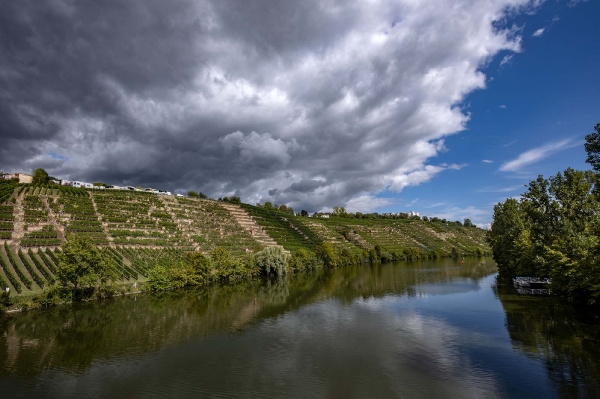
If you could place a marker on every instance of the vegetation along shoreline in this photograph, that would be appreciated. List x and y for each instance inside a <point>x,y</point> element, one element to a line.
<point>62,244</point>
<point>553,230</point>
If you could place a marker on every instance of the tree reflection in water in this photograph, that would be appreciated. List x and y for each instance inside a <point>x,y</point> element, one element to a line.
<point>566,338</point>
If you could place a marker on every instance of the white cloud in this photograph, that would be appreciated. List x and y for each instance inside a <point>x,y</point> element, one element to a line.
<point>411,203</point>
<point>506,60</point>
<point>536,154</point>
<point>500,190</point>
<point>367,203</point>
<point>478,216</point>
<point>487,161</point>
<point>573,3</point>
<point>539,32</point>
<point>502,106</point>
<point>418,176</point>
<point>509,144</point>
<point>435,205</point>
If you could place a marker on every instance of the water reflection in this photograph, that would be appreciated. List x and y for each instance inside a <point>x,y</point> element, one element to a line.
<point>566,339</point>
<point>425,329</point>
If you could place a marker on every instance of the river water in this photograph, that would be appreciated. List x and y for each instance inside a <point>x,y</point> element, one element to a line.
<point>433,329</point>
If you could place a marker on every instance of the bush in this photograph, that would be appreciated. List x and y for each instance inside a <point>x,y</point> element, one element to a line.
<point>228,268</point>
<point>159,278</point>
<point>326,253</point>
<point>304,259</point>
<point>271,260</point>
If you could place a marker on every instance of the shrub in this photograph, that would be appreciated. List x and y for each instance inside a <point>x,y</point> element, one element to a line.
<point>159,278</point>
<point>271,260</point>
<point>304,259</point>
<point>326,252</point>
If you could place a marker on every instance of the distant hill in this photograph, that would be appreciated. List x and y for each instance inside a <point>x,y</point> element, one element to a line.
<point>139,229</point>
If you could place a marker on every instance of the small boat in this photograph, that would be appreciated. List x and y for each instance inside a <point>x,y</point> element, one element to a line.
<point>532,285</point>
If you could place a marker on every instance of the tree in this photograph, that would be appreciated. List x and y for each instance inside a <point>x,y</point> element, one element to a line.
<point>99,184</point>
<point>467,223</point>
<point>592,147</point>
<point>40,176</point>
<point>192,194</point>
<point>283,208</point>
<point>272,260</point>
<point>326,252</point>
<point>304,213</point>
<point>268,205</point>
<point>201,265</point>
<point>81,264</point>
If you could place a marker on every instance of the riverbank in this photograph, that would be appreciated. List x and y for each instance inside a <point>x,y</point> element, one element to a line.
<point>195,270</point>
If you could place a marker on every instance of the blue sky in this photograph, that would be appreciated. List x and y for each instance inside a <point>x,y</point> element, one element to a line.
<point>444,107</point>
<point>545,95</point>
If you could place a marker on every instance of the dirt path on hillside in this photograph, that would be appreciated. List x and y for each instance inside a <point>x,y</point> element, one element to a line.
<point>52,219</point>
<point>19,223</point>
<point>103,224</point>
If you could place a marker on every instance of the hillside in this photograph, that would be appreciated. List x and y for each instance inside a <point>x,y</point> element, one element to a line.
<point>140,229</point>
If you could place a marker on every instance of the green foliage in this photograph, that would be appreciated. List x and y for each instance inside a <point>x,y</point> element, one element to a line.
<point>592,147</point>
<point>228,267</point>
<point>327,254</point>
<point>40,176</point>
<point>195,270</point>
<point>552,232</point>
<point>271,260</point>
<point>303,259</point>
<point>159,278</point>
<point>81,264</point>
<point>5,299</point>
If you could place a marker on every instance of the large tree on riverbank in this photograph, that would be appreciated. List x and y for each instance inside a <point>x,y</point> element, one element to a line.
<point>82,264</point>
<point>553,231</point>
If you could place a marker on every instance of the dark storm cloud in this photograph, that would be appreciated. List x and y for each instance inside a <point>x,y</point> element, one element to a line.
<point>311,103</point>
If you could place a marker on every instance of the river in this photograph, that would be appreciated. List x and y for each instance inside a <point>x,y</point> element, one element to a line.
<point>431,329</point>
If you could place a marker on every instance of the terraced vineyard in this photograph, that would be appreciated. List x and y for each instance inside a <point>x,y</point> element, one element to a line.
<point>138,230</point>
<point>207,224</point>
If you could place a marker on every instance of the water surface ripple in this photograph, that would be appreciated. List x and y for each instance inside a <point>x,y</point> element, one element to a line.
<point>409,330</point>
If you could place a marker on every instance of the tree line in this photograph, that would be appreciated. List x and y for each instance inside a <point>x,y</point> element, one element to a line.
<point>553,230</point>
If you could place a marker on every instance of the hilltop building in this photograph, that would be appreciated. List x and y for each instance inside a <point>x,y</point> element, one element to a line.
<point>23,177</point>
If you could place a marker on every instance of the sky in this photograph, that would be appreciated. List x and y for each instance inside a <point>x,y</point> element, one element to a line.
<point>444,107</point>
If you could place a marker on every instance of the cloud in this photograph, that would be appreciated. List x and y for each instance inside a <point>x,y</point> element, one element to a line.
<point>539,32</point>
<point>535,155</point>
<point>367,203</point>
<point>259,150</point>
<point>500,190</point>
<point>435,205</point>
<point>509,144</point>
<point>312,103</point>
<point>478,216</point>
<point>502,106</point>
<point>506,60</point>
<point>487,161</point>
<point>411,203</point>
<point>573,3</point>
